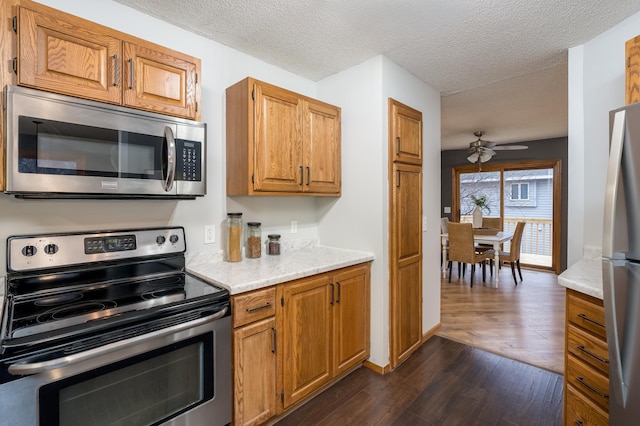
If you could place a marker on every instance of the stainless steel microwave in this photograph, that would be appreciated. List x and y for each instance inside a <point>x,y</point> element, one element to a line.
<point>64,147</point>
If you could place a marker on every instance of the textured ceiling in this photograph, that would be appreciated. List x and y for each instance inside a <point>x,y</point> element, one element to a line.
<point>500,65</point>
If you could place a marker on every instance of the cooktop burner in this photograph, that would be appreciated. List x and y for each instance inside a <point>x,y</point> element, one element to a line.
<point>94,285</point>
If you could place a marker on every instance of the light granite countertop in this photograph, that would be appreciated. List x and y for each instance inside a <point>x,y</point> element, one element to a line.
<point>293,263</point>
<point>585,275</point>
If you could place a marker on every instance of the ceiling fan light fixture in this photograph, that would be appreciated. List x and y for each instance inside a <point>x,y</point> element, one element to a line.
<point>473,158</point>
<point>485,156</point>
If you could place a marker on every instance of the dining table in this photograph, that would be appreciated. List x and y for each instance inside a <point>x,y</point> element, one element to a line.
<point>480,237</point>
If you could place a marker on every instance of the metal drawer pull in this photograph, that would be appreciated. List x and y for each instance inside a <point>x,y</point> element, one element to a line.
<point>582,381</point>
<point>274,340</point>
<point>131,73</point>
<point>115,70</point>
<point>586,318</point>
<point>257,308</point>
<point>599,358</point>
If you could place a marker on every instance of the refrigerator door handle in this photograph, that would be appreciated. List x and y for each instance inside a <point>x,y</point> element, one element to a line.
<point>617,385</point>
<point>613,180</point>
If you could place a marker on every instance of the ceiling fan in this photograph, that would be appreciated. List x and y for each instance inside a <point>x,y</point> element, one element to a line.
<point>481,151</point>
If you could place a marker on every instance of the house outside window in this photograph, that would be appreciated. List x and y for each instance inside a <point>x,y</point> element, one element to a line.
<point>519,191</point>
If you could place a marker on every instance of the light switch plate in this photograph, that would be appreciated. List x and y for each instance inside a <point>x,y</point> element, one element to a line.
<point>424,224</point>
<point>209,234</point>
<point>447,209</point>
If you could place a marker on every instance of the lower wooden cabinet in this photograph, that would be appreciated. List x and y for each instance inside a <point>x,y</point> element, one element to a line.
<point>254,357</point>
<point>294,338</point>
<point>586,375</point>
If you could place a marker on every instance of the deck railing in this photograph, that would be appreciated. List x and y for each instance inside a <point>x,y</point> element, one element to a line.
<point>537,237</point>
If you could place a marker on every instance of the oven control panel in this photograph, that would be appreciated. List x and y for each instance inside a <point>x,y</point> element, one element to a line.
<point>33,252</point>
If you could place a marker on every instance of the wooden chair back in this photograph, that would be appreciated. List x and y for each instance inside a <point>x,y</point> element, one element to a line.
<point>516,242</point>
<point>461,247</point>
<point>492,222</point>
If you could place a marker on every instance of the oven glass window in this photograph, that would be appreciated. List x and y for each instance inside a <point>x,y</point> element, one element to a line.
<point>54,147</point>
<point>145,390</point>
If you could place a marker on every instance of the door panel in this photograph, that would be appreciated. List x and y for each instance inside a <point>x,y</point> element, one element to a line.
<point>278,150</point>
<point>322,148</point>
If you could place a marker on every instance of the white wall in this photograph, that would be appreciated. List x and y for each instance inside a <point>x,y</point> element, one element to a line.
<point>596,86</point>
<point>357,220</point>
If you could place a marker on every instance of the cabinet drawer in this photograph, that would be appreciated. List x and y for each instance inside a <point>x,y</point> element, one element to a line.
<point>249,307</point>
<point>588,348</point>
<point>581,411</point>
<point>588,381</point>
<point>586,313</point>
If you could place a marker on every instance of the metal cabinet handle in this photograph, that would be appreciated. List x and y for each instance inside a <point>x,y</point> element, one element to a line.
<point>591,388</point>
<point>301,175</point>
<point>579,422</point>
<point>257,308</point>
<point>115,70</point>
<point>308,175</point>
<point>398,145</point>
<point>599,358</point>
<point>273,329</point>
<point>398,180</point>
<point>586,318</point>
<point>332,292</point>
<point>130,73</point>
<point>339,287</point>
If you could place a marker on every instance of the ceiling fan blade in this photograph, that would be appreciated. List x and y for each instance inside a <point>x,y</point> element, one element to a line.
<point>509,147</point>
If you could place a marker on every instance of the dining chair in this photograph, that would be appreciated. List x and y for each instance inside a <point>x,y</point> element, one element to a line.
<point>513,255</point>
<point>462,250</point>
<point>491,223</point>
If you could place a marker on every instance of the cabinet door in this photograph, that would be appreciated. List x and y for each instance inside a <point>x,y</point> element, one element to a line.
<point>255,392</point>
<point>306,329</point>
<point>406,261</point>
<point>321,145</point>
<point>66,55</point>
<point>351,318</point>
<point>160,80</point>
<point>632,75</point>
<point>278,149</point>
<point>406,133</point>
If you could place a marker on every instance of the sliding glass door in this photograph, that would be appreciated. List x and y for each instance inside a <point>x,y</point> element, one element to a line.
<point>514,192</point>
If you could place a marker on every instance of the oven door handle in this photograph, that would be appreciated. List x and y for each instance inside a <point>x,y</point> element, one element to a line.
<point>24,368</point>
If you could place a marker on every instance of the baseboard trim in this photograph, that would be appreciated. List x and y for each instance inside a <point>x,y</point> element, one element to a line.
<point>375,367</point>
<point>432,332</point>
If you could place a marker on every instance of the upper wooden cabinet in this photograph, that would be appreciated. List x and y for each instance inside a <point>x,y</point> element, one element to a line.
<point>632,74</point>
<point>405,133</point>
<point>280,142</point>
<point>65,54</point>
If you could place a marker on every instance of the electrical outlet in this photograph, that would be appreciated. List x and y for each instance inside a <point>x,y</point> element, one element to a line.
<point>209,234</point>
<point>424,224</point>
<point>294,226</point>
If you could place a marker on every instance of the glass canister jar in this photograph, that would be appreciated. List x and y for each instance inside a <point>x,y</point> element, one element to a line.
<point>234,237</point>
<point>254,240</point>
<point>273,244</point>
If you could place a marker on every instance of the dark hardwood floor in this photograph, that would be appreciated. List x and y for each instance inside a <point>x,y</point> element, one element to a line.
<point>443,383</point>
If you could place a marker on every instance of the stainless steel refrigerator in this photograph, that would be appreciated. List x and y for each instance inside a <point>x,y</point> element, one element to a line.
<point>621,265</point>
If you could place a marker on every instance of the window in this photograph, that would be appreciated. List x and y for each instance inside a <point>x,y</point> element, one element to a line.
<point>519,191</point>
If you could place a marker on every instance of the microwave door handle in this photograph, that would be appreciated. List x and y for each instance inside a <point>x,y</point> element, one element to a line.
<point>170,142</point>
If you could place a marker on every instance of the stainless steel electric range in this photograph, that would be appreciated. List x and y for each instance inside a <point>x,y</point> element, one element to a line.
<point>107,328</point>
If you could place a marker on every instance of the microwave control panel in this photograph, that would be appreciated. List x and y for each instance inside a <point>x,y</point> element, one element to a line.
<point>188,160</point>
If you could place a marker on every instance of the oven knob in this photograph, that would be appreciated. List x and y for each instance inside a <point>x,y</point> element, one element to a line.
<point>173,239</point>
<point>29,251</point>
<point>160,239</point>
<point>51,249</point>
